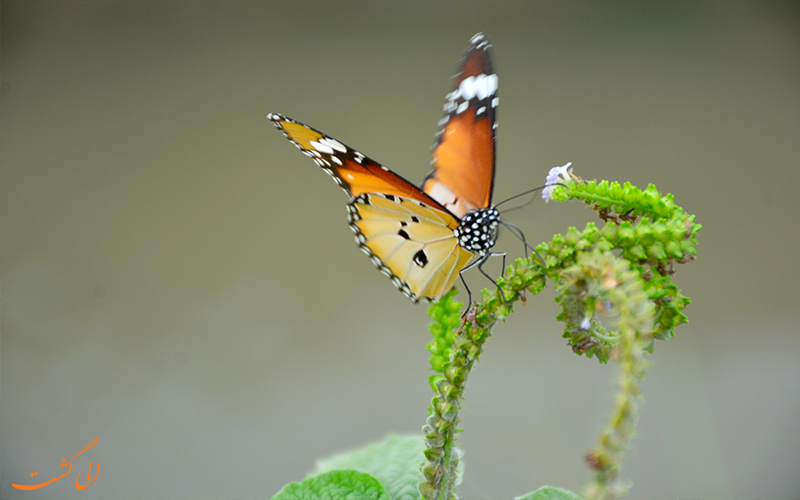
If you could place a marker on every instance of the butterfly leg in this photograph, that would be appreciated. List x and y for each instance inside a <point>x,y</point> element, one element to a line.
<point>469,293</point>
<point>516,231</point>
<point>480,264</point>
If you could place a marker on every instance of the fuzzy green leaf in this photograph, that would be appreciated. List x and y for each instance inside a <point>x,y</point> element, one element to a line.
<point>394,461</point>
<point>549,493</point>
<point>344,484</point>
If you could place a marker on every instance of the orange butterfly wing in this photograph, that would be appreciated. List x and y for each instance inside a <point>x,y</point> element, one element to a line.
<point>407,234</point>
<point>352,171</point>
<point>464,154</point>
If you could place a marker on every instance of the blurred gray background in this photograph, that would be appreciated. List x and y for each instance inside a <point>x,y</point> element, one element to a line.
<point>180,282</point>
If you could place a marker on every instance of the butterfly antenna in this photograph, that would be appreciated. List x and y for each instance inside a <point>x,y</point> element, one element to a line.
<point>524,194</point>
<point>520,195</point>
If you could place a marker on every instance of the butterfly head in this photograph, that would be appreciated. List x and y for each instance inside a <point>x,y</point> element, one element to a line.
<point>477,232</point>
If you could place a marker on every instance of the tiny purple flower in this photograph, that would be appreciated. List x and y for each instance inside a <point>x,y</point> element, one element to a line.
<point>554,177</point>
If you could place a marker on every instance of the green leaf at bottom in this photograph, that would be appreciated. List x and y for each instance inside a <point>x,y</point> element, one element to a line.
<point>340,484</point>
<point>550,493</point>
<point>394,461</point>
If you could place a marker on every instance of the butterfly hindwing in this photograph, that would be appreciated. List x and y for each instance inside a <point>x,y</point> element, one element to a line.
<point>464,153</point>
<point>409,241</point>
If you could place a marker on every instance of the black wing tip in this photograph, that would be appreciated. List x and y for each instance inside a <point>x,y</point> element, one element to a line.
<point>478,55</point>
<point>480,41</point>
<point>276,118</point>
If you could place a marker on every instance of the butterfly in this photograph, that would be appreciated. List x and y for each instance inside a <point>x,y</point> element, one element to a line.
<point>422,238</point>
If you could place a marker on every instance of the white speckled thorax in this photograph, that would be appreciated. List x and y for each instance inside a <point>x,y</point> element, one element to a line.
<point>478,230</point>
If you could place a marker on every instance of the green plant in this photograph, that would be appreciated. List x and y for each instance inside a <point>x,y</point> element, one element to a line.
<point>617,296</point>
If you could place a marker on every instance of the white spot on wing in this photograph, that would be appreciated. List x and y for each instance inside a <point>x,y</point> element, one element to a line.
<point>333,143</point>
<point>479,86</point>
<point>322,148</point>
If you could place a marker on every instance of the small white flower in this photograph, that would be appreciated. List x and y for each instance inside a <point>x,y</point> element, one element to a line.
<point>586,323</point>
<point>555,176</point>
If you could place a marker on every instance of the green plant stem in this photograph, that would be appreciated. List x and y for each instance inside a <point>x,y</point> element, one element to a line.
<point>606,457</point>
<point>617,296</point>
<point>608,287</point>
<point>442,458</point>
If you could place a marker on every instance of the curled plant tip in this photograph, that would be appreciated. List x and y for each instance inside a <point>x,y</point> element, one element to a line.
<point>601,286</point>
<point>647,229</point>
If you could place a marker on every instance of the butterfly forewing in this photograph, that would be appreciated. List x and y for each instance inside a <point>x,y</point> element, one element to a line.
<point>464,153</point>
<point>409,241</point>
<point>354,172</point>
